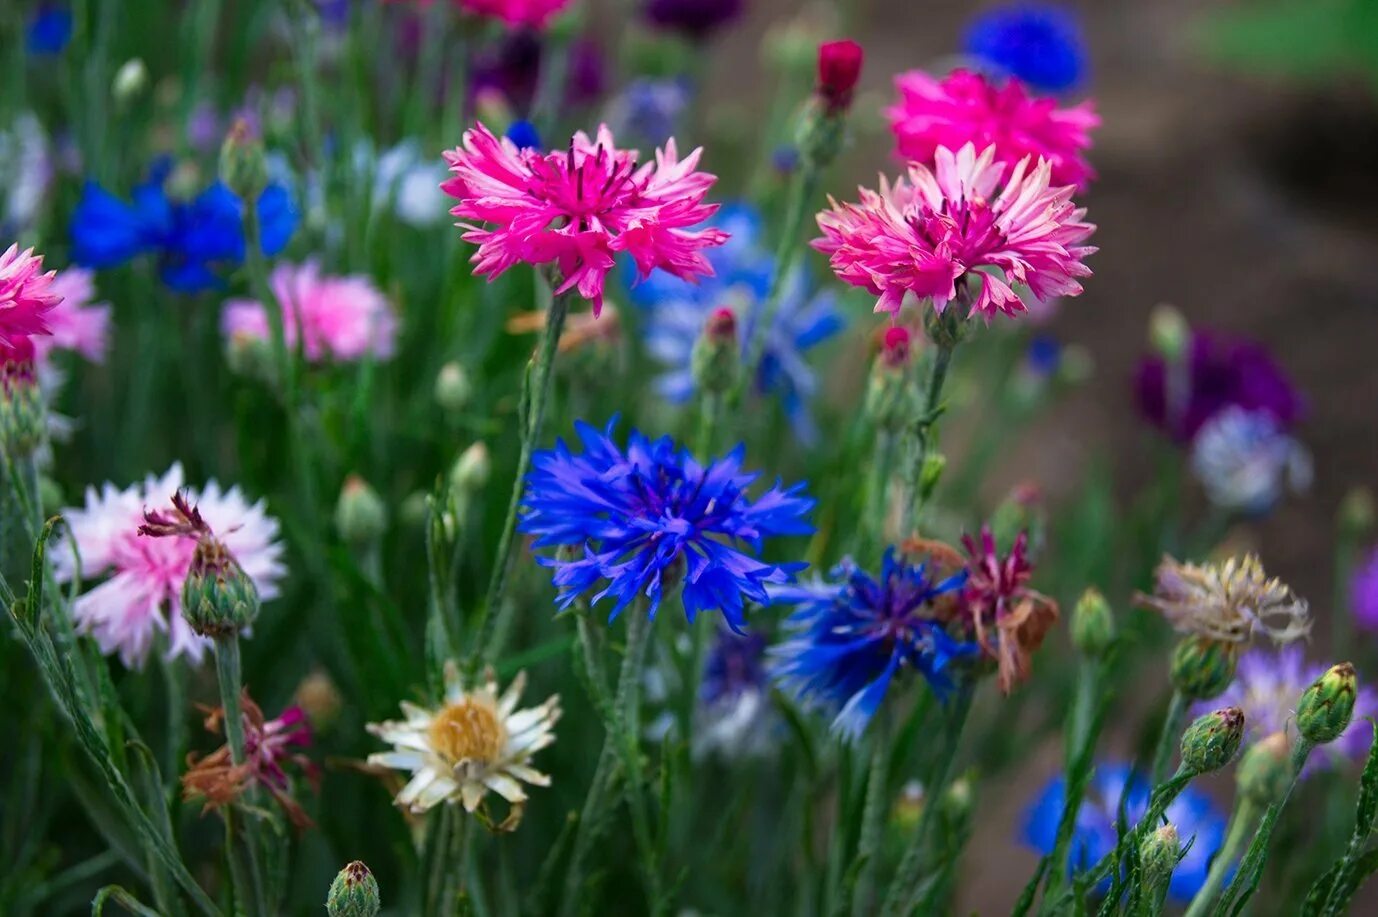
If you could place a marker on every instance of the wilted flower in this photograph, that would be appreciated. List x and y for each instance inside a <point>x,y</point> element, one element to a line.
<point>475,742</point>
<point>27,298</point>
<point>852,636</point>
<point>1094,836</point>
<point>651,516</point>
<point>345,318</point>
<point>143,595</point>
<point>76,323</point>
<point>577,209</point>
<point>1039,43</point>
<point>734,717</point>
<point>1229,601</point>
<point>1244,460</point>
<point>1008,618</point>
<point>1217,372</point>
<point>1363,591</point>
<point>269,746</point>
<point>943,227</point>
<point>966,108</point>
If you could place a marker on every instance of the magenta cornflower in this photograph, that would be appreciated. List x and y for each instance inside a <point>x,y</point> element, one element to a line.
<point>533,13</point>
<point>966,107</point>
<point>141,590</point>
<point>577,209</point>
<point>940,228</point>
<point>344,318</point>
<point>1009,619</point>
<point>76,323</point>
<point>26,295</point>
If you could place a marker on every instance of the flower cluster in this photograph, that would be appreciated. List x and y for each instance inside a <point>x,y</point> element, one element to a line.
<point>577,209</point>
<point>945,228</point>
<point>651,517</point>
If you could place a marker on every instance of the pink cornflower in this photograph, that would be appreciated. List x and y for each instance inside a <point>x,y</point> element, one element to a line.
<point>26,294</point>
<point>76,323</point>
<point>533,13</point>
<point>941,227</point>
<point>578,208</point>
<point>141,596</point>
<point>345,318</point>
<point>965,107</point>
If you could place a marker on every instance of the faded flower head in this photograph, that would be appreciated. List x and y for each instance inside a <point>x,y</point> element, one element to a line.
<point>967,108</point>
<point>26,295</point>
<point>342,318</point>
<point>142,579</point>
<point>1229,602</point>
<point>270,746</point>
<point>960,224</point>
<point>1009,619</point>
<point>476,741</point>
<point>1245,460</point>
<point>649,517</point>
<point>852,636</point>
<point>578,208</point>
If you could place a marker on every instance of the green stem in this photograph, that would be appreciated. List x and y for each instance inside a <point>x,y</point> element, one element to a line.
<point>241,845</point>
<point>629,709</point>
<point>910,871</point>
<point>1246,813</point>
<point>1087,719</point>
<point>710,418</point>
<point>21,518</point>
<point>921,436</point>
<point>535,395</point>
<point>878,488</point>
<point>1246,877</point>
<point>1169,737</point>
<point>1162,797</point>
<point>873,816</point>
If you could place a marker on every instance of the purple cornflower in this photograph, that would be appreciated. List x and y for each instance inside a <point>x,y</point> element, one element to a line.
<point>651,516</point>
<point>1218,372</point>
<point>1267,686</point>
<point>734,717</point>
<point>1363,592</point>
<point>695,18</point>
<point>852,636</point>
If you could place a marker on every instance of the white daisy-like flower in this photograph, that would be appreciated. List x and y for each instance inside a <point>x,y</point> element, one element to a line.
<point>476,742</point>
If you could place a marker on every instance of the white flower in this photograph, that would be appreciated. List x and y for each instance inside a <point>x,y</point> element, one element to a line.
<point>476,742</point>
<point>1244,459</point>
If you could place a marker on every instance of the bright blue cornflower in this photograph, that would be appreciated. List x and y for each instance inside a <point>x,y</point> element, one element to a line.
<point>650,517</point>
<point>191,238</point>
<point>1039,43</point>
<point>1192,813</point>
<point>742,270</point>
<point>852,636</point>
<point>524,135</point>
<point>48,30</point>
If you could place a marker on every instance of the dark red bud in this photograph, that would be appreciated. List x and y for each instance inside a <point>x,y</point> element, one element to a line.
<point>721,325</point>
<point>895,346</point>
<point>839,68</point>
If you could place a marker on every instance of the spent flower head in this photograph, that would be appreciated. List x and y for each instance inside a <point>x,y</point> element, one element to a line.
<point>1228,601</point>
<point>1009,619</point>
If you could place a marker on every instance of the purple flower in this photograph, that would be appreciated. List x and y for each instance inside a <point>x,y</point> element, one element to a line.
<point>695,18</point>
<point>650,516</point>
<point>1219,372</point>
<point>1363,592</point>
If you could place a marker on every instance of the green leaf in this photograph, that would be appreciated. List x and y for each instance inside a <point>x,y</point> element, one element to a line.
<point>124,899</point>
<point>1026,897</point>
<point>1367,808</point>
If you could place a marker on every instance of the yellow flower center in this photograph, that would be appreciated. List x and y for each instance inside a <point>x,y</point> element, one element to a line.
<point>468,731</point>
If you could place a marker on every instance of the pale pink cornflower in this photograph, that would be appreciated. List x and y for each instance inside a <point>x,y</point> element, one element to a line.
<point>951,225</point>
<point>345,318</point>
<point>966,107</point>
<point>140,593</point>
<point>577,208</point>
<point>76,323</point>
<point>533,13</point>
<point>26,295</point>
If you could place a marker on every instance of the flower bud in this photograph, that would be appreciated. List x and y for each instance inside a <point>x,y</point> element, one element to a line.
<point>360,516</point>
<point>958,801</point>
<point>243,167</point>
<point>1325,708</point>
<point>1265,771</point>
<point>251,357</point>
<point>1212,740</point>
<point>839,68</point>
<point>470,472</point>
<point>130,81</point>
<point>1158,855</point>
<point>50,496</point>
<point>218,598</point>
<point>414,510</point>
<point>1021,512</point>
<point>717,359</point>
<point>934,464</point>
<point>1356,512</point>
<point>453,388</point>
<point>908,807</point>
<point>1168,332</point>
<point>890,390</point>
<point>23,421</point>
<point>354,893</point>
<point>320,698</point>
<point>1203,668</point>
<point>1093,624</point>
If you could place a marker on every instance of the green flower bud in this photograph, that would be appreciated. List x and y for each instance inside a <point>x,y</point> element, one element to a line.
<point>1168,332</point>
<point>934,464</point>
<point>1158,855</point>
<point>218,598</point>
<point>414,510</point>
<point>1203,668</point>
<point>1325,708</point>
<point>453,388</point>
<point>471,470</point>
<point>1265,770</point>
<point>890,391</point>
<point>354,893</point>
<point>130,81</point>
<point>360,516</point>
<point>50,496</point>
<point>1093,624</point>
<point>1212,740</point>
<point>250,357</point>
<point>243,168</point>
<point>820,133</point>
<point>1356,512</point>
<point>23,419</point>
<point>958,801</point>
<point>1076,365</point>
<point>717,357</point>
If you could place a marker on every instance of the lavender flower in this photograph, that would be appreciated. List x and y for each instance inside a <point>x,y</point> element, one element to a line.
<point>650,516</point>
<point>1363,592</point>
<point>1244,461</point>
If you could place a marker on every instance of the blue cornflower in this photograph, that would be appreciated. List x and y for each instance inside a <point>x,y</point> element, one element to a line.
<point>1039,43</point>
<point>1192,813</point>
<point>853,635</point>
<point>1245,460</point>
<point>735,666</point>
<point>524,135</point>
<point>1044,355</point>
<point>49,29</point>
<point>677,311</point>
<point>191,238</point>
<point>650,109</point>
<point>651,516</point>
<point>735,718</point>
